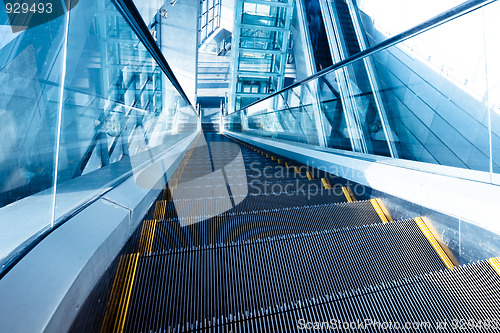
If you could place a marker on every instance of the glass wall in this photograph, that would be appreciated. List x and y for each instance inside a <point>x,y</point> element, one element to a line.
<point>261,39</point>
<point>261,36</point>
<point>387,18</point>
<point>209,18</point>
<point>410,109</point>
<point>82,104</point>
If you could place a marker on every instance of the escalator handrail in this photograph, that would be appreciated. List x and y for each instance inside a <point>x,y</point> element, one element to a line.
<point>131,14</point>
<point>434,22</point>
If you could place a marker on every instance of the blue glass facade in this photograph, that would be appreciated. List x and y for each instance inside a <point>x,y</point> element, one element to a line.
<point>82,98</point>
<point>419,99</point>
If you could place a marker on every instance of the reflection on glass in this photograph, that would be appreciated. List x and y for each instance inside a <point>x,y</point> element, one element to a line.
<point>29,117</point>
<point>263,15</point>
<point>261,39</point>
<point>116,103</point>
<point>432,98</point>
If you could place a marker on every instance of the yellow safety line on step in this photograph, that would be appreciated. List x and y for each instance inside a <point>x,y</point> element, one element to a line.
<point>144,236</point>
<point>296,170</point>
<point>273,158</point>
<point>379,211</point>
<point>353,197</point>
<point>326,183</point>
<point>279,161</point>
<point>128,292</point>
<point>287,165</point>
<point>430,237</point>
<point>123,292</point>
<point>178,173</point>
<point>495,263</point>
<point>309,176</point>
<point>346,193</point>
<point>113,297</point>
<point>384,210</point>
<point>151,238</point>
<point>160,207</point>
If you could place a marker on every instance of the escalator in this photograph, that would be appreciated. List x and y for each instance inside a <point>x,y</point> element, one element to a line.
<point>357,79</point>
<point>319,40</point>
<point>347,27</point>
<point>278,246</point>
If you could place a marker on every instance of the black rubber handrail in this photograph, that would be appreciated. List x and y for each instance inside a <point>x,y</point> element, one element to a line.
<point>444,17</point>
<point>131,14</point>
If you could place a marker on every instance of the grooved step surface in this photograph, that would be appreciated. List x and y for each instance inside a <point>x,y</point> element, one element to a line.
<point>191,232</point>
<point>243,187</point>
<point>465,299</point>
<point>220,201</point>
<point>234,280</point>
<point>239,250</point>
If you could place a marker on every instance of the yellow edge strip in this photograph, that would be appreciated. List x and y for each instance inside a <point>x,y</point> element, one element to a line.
<point>113,297</point>
<point>326,183</point>
<point>279,161</point>
<point>128,292</point>
<point>309,176</point>
<point>379,211</point>
<point>123,291</point>
<point>163,208</point>
<point>430,237</point>
<point>141,238</point>
<point>495,263</point>
<point>353,198</point>
<point>297,170</point>
<point>384,210</point>
<point>144,244</point>
<point>178,173</point>
<point>156,213</point>
<point>151,238</point>
<point>160,210</point>
<point>287,165</point>
<point>346,193</point>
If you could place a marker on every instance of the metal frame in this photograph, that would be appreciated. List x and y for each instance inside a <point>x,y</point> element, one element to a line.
<point>372,78</point>
<point>442,18</point>
<point>280,54</point>
<point>344,76</point>
<point>131,14</point>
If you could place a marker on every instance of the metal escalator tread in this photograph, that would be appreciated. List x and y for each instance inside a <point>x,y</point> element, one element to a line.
<point>253,202</point>
<point>453,299</point>
<point>225,228</point>
<point>254,186</point>
<point>273,259</point>
<point>237,281</point>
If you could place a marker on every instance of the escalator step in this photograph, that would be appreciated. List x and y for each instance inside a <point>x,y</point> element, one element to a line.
<point>195,231</point>
<point>463,300</point>
<point>216,187</point>
<point>231,283</point>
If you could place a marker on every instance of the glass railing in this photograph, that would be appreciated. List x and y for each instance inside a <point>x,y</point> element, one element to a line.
<point>392,100</point>
<point>83,103</point>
